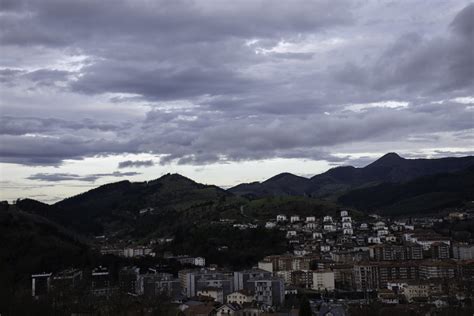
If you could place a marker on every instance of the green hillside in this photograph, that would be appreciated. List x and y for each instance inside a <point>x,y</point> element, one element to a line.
<point>423,195</point>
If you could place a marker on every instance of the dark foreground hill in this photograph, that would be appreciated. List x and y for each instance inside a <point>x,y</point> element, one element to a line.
<point>422,195</point>
<point>391,168</point>
<point>32,244</point>
<point>138,208</point>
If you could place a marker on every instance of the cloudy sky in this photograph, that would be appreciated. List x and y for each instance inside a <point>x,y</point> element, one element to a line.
<point>226,91</point>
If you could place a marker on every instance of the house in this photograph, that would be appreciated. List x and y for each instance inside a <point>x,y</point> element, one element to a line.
<point>213,292</point>
<point>294,218</point>
<point>347,219</point>
<point>317,235</point>
<point>265,265</point>
<point>311,226</point>
<point>374,240</point>
<point>329,227</point>
<point>387,296</point>
<point>40,284</point>
<point>420,289</point>
<point>281,218</point>
<point>382,232</point>
<point>199,261</point>
<point>200,310</point>
<point>346,225</point>
<point>228,309</point>
<point>348,231</point>
<point>270,225</point>
<point>379,225</point>
<point>310,219</point>
<point>344,213</point>
<point>325,248</point>
<point>240,297</point>
<point>327,219</point>
<point>66,279</point>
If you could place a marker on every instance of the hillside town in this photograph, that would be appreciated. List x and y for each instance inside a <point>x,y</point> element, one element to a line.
<point>339,265</point>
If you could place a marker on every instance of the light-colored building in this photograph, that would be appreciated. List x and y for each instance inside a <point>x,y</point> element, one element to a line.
<point>270,225</point>
<point>281,218</point>
<point>347,219</point>
<point>373,240</point>
<point>348,231</point>
<point>228,310</point>
<point>329,228</point>
<point>323,280</point>
<point>241,277</point>
<point>294,218</point>
<point>419,288</point>
<point>194,280</point>
<point>269,291</point>
<point>310,219</point>
<point>317,235</point>
<point>344,213</point>
<point>325,248</point>
<point>346,225</point>
<point>327,219</point>
<point>265,265</point>
<point>311,226</point>
<point>199,261</point>
<point>463,251</point>
<point>240,297</point>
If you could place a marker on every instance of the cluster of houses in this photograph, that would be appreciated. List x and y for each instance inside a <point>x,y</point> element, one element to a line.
<point>343,255</point>
<point>389,261</point>
<point>249,292</point>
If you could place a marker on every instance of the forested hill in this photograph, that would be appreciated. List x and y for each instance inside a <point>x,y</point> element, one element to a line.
<point>422,195</point>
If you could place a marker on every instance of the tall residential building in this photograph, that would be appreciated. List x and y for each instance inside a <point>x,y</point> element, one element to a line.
<point>100,281</point>
<point>154,284</point>
<point>241,277</point>
<point>195,280</point>
<point>323,280</point>
<point>463,251</point>
<point>128,279</point>
<point>270,291</point>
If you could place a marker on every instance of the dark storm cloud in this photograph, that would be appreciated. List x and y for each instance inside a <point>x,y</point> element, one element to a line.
<point>230,81</point>
<point>422,64</point>
<point>160,83</point>
<point>48,150</point>
<point>135,164</point>
<point>59,177</point>
<point>56,22</point>
<point>31,125</point>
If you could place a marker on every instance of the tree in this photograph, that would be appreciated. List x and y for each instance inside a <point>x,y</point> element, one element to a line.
<point>305,308</point>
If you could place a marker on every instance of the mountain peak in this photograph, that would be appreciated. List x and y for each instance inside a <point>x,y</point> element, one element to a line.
<point>283,176</point>
<point>387,160</point>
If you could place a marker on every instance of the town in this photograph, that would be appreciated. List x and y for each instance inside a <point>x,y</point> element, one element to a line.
<point>334,265</point>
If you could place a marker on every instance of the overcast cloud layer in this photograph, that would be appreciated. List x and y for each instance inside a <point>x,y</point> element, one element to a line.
<point>203,82</point>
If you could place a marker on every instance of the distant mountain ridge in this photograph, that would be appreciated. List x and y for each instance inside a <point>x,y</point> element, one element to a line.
<point>176,200</point>
<point>389,168</point>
